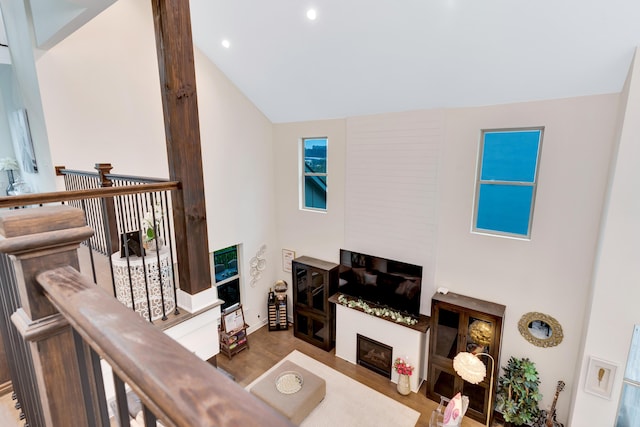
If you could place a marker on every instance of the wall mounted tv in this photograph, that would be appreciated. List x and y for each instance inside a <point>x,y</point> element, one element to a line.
<point>381,281</point>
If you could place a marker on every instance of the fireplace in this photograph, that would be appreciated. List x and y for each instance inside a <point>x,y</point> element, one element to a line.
<point>374,355</point>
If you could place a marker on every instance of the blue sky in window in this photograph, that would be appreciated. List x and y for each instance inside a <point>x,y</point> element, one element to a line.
<point>510,156</point>
<point>505,208</point>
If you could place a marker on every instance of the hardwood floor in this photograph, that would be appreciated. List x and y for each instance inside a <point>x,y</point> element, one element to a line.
<point>9,415</point>
<point>267,348</point>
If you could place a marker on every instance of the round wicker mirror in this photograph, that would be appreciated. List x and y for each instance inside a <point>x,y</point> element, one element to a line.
<point>540,329</point>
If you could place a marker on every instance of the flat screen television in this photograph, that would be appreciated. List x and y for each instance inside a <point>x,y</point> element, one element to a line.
<point>381,281</point>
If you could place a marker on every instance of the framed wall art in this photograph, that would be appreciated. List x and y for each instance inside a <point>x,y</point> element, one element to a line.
<point>600,377</point>
<point>287,257</point>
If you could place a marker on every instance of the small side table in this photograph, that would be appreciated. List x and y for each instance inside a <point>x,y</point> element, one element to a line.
<point>277,309</point>
<point>131,275</point>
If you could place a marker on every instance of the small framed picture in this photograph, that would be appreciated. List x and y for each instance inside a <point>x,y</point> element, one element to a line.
<point>287,257</point>
<point>600,377</point>
<point>131,244</point>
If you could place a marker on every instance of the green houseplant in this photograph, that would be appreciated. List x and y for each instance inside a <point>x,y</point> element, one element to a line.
<point>517,396</point>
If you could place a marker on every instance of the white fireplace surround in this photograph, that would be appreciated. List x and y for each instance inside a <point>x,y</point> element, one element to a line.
<point>406,342</point>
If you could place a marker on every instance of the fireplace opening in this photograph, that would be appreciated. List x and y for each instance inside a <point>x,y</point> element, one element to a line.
<point>374,355</point>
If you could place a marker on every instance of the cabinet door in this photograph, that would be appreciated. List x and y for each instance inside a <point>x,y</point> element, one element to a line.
<point>444,382</point>
<point>317,291</point>
<point>311,328</point>
<point>446,334</point>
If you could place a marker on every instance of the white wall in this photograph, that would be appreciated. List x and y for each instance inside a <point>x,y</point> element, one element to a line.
<point>239,176</point>
<point>311,233</point>
<point>613,307</point>
<point>101,95</point>
<point>391,205</point>
<point>551,273</point>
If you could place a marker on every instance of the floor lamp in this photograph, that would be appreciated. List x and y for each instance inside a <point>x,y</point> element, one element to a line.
<point>471,369</point>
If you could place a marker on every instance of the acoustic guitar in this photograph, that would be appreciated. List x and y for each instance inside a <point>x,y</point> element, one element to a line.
<point>548,419</point>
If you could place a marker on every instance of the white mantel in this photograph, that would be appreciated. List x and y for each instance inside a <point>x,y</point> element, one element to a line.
<point>406,342</point>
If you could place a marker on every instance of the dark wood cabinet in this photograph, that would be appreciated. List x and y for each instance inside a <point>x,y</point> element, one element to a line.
<point>314,281</point>
<point>461,323</point>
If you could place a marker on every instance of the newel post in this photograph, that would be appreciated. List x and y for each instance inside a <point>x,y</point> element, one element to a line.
<point>109,208</point>
<point>38,240</point>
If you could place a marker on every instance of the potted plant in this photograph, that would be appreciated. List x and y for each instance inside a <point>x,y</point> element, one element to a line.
<point>517,396</point>
<point>151,224</point>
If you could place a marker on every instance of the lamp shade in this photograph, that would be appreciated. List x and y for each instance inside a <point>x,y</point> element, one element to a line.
<point>469,367</point>
<point>8,164</point>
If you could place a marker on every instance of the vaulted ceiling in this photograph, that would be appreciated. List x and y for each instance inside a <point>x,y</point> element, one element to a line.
<point>362,57</point>
<point>376,56</point>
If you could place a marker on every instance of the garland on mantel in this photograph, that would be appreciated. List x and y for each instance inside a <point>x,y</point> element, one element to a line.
<point>396,316</point>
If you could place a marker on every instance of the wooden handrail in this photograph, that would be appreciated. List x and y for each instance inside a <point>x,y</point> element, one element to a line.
<point>63,196</point>
<point>61,171</point>
<point>177,386</point>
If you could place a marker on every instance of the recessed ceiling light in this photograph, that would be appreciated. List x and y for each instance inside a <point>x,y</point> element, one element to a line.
<point>311,14</point>
<point>226,44</point>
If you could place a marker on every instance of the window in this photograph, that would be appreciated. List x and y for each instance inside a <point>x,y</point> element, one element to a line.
<point>628,408</point>
<point>314,173</point>
<point>227,278</point>
<point>507,177</point>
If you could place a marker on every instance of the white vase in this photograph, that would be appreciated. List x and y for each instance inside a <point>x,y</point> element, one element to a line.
<point>404,385</point>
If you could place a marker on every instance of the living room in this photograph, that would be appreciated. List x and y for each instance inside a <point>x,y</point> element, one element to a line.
<point>574,267</point>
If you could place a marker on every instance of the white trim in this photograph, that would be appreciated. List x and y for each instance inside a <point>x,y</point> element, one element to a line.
<point>199,301</point>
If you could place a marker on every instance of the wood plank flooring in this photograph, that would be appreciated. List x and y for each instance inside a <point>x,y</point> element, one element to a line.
<point>9,415</point>
<point>267,348</point>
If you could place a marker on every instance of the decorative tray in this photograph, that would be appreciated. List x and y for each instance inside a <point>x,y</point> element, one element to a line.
<point>289,382</point>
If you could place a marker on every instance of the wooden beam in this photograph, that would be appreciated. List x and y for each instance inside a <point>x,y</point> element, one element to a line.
<point>174,45</point>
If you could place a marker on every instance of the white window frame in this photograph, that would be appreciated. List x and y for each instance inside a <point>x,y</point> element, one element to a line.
<point>304,174</point>
<point>479,181</point>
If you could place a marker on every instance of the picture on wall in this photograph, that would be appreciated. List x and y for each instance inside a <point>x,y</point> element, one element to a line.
<point>600,377</point>
<point>287,258</point>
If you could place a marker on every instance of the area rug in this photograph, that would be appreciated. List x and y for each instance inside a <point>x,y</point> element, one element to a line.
<point>347,402</point>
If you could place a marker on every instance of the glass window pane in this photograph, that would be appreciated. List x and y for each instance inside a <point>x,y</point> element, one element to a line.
<point>447,337</point>
<point>510,156</point>
<point>504,208</point>
<point>315,155</point>
<point>225,263</point>
<point>629,411</point>
<point>229,292</point>
<point>479,335</point>
<point>315,192</point>
<point>443,382</point>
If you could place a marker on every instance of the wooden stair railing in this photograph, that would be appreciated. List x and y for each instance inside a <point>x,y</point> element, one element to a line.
<point>64,196</point>
<point>133,196</point>
<point>62,314</point>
